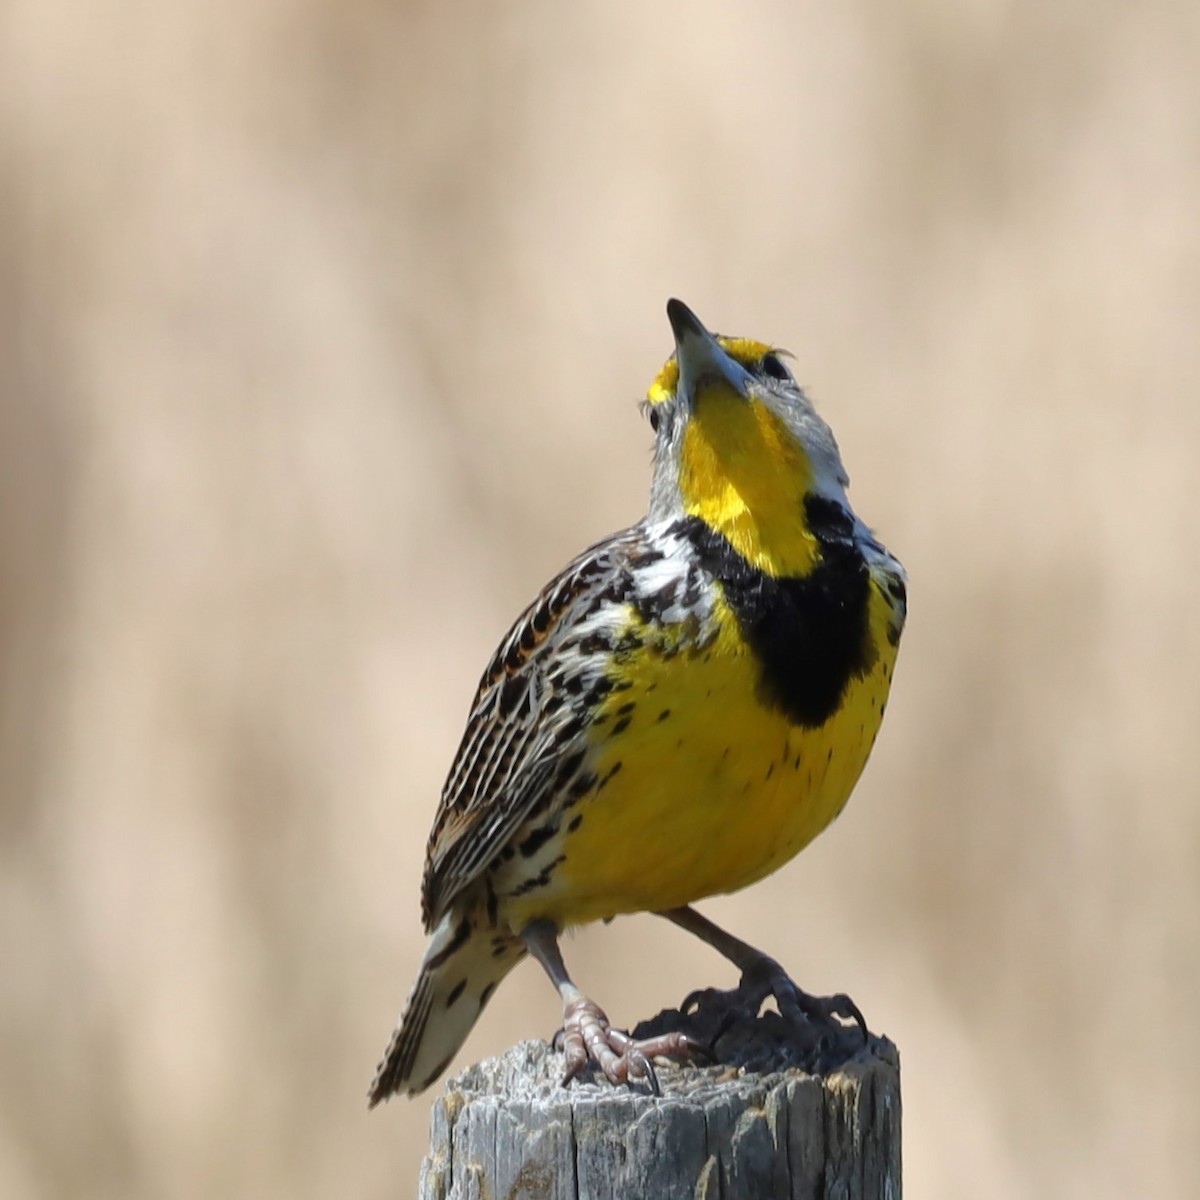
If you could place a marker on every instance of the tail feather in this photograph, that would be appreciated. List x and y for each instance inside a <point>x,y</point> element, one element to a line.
<point>461,969</point>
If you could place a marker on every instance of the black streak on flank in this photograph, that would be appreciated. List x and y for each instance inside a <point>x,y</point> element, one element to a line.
<point>536,840</point>
<point>611,772</point>
<point>455,992</point>
<point>581,787</point>
<point>541,879</point>
<point>810,634</point>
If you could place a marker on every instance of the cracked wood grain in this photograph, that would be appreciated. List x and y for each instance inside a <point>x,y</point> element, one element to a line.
<point>506,1129</point>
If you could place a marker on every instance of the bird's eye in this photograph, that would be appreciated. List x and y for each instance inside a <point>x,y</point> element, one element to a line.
<point>655,417</point>
<point>773,367</point>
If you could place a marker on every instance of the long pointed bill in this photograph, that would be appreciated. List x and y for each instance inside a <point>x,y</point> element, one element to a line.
<point>702,361</point>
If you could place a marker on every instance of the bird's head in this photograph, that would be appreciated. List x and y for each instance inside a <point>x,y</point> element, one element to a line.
<point>740,446</point>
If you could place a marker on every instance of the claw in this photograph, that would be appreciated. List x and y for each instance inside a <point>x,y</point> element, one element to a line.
<point>831,1010</point>
<point>587,1037</point>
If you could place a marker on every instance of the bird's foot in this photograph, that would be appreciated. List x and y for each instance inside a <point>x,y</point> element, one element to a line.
<point>586,1036</point>
<point>764,978</point>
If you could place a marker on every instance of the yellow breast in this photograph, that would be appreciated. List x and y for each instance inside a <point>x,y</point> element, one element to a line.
<point>705,787</point>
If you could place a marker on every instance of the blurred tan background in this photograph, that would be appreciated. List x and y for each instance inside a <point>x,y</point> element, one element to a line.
<point>322,329</point>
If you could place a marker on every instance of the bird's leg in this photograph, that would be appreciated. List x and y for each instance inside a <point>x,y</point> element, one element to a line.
<point>587,1035</point>
<point>762,976</point>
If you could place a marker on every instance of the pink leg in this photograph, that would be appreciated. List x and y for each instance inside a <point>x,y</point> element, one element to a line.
<point>587,1035</point>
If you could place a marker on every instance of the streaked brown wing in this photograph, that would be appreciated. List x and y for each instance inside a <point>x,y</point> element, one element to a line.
<point>528,721</point>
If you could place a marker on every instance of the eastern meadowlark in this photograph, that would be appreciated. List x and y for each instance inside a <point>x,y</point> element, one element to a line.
<point>682,710</point>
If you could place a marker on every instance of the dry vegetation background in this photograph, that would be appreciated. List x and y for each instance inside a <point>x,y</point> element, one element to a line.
<point>322,329</point>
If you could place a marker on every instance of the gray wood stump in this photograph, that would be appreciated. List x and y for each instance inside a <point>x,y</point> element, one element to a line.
<point>506,1129</point>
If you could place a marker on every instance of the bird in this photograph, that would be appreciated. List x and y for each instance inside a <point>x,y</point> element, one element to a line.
<point>678,713</point>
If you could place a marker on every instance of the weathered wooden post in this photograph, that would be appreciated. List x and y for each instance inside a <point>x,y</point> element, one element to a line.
<point>507,1130</point>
